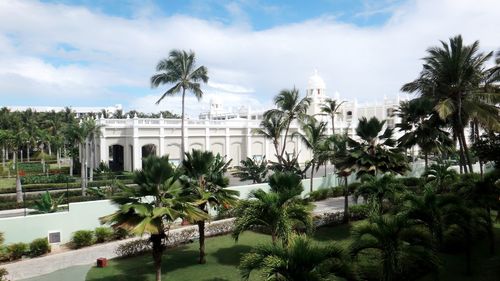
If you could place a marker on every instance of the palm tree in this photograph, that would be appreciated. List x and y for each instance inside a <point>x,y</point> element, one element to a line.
<point>313,138</point>
<point>376,190</point>
<point>301,260</point>
<point>399,243</point>
<point>451,76</point>
<point>279,211</point>
<point>271,127</point>
<point>180,69</point>
<point>289,108</point>
<point>331,108</point>
<point>252,169</point>
<point>441,176</point>
<point>153,206</point>
<point>375,152</point>
<point>207,184</point>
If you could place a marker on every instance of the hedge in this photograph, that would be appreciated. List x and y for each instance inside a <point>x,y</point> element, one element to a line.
<point>60,186</point>
<point>40,179</point>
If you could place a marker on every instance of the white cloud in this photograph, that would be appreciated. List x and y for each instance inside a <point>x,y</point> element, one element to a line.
<point>245,66</point>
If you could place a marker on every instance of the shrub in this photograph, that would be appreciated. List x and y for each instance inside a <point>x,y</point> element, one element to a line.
<point>103,234</point>
<point>3,274</point>
<point>39,247</point>
<point>133,248</point>
<point>17,250</point>
<point>82,238</point>
<point>359,211</point>
<point>37,179</point>
<point>2,239</point>
<point>319,194</point>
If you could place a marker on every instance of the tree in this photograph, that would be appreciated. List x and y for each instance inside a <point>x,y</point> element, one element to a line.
<point>344,163</point>
<point>313,138</point>
<point>153,206</point>
<point>441,176</point>
<point>451,77</point>
<point>301,260</point>
<point>271,127</point>
<point>180,69</point>
<point>399,243</point>
<point>375,152</point>
<point>206,183</point>
<point>279,211</point>
<point>376,190</point>
<point>331,108</point>
<point>289,108</point>
<point>252,169</point>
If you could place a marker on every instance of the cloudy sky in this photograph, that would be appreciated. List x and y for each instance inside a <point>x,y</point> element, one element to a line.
<point>103,52</point>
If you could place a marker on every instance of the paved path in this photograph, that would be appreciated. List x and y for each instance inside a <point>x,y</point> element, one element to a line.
<point>73,265</point>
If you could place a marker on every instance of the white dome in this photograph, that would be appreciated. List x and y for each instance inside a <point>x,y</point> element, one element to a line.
<point>316,82</point>
<point>215,100</point>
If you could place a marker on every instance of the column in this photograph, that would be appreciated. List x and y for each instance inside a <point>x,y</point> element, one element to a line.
<point>207,138</point>
<point>161,149</point>
<point>136,147</point>
<point>227,143</point>
<point>104,152</point>
<point>249,143</point>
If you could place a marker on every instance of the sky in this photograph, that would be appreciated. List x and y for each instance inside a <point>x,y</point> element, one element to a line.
<point>103,52</point>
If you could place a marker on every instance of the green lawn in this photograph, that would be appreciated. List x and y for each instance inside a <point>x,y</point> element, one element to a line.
<point>7,182</point>
<point>223,256</point>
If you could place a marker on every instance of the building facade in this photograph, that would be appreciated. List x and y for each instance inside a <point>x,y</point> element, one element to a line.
<point>125,142</point>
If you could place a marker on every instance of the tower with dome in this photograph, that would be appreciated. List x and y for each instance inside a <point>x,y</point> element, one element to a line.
<point>316,91</point>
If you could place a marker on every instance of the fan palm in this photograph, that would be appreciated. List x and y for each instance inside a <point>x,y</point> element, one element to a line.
<point>207,184</point>
<point>376,190</point>
<point>313,137</point>
<point>440,175</point>
<point>399,243</point>
<point>289,108</point>
<point>301,260</point>
<point>451,76</point>
<point>279,212</point>
<point>180,69</point>
<point>152,206</point>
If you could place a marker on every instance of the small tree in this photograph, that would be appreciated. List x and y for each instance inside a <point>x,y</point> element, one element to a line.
<point>252,169</point>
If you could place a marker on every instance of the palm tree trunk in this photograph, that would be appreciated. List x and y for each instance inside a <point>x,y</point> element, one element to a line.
<point>157,254</point>
<point>49,147</point>
<point>82,168</point>
<point>346,201</point>
<point>201,232</point>
<point>92,159</point>
<point>28,152</point>
<point>426,157</point>
<point>466,152</point>
<point>312,176</point>
<point>463,166</point>
<point>333,124</point>
<point>3,156</point>
<point>182,125</point>
<point>284,140</point>
<point>19,189</point>
<point>273,237</point>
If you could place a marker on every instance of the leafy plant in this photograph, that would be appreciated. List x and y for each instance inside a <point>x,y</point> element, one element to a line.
<point>46,204</point>
<point>17,250</point>
<point>39,247</point>
<point>103,234</point>
<point>252,169</point>
<point>82,238</point>
<point>3,274</point>
<point>290,164</point>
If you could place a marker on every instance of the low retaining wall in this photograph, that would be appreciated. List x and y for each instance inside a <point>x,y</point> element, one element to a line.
<point>43,265</point>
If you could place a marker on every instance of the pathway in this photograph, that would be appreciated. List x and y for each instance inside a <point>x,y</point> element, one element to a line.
<point>73,265</point>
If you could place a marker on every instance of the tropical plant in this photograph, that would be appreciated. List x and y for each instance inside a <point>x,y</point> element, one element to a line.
<point>451,77</point>
<point>399,243</point>
<point>271,127</point>
<point>252,169</point>
<point>289,108</point>
<point>330,108</point>
<point>377,190</point>
<point>180,69</point>
<point>289,164</point>
<point>278,212</point>
<point>440,175</point>
<point>153,206</point>
<point>301,260</point>
<point>47,204</point>
<point>207,184</point>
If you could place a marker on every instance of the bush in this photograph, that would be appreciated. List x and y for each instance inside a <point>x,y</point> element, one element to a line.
<point>359,211</point>
<point>37,179</point>
<point>39,247</point>
<point>320,194</point>
<point>3,274</point>
<point>103,234</point>
<point>133,248</point>
<point>82,238</point>
<point>17,250</point>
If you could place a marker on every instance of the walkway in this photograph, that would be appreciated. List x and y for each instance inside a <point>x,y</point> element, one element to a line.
<point>73,265</point>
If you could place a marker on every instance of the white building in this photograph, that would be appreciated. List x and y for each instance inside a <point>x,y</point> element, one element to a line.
<point>124,142</point>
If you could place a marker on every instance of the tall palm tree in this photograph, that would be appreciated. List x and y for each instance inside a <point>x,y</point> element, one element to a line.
<point>331,108</point>
<point>289,107</point>
<point>153,206</point>
<point>344,164</point>
<point>271,127</point>
<point>313,138</point>
<point>301,260</point>
<point>180,69</point>
<point>279,211</point>
<point>207,183</point>
<point>399,243</point>
<point>451,76</point>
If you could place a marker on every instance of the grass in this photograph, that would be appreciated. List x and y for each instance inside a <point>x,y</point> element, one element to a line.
<point>7,182</point>
<point>223,256</point>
